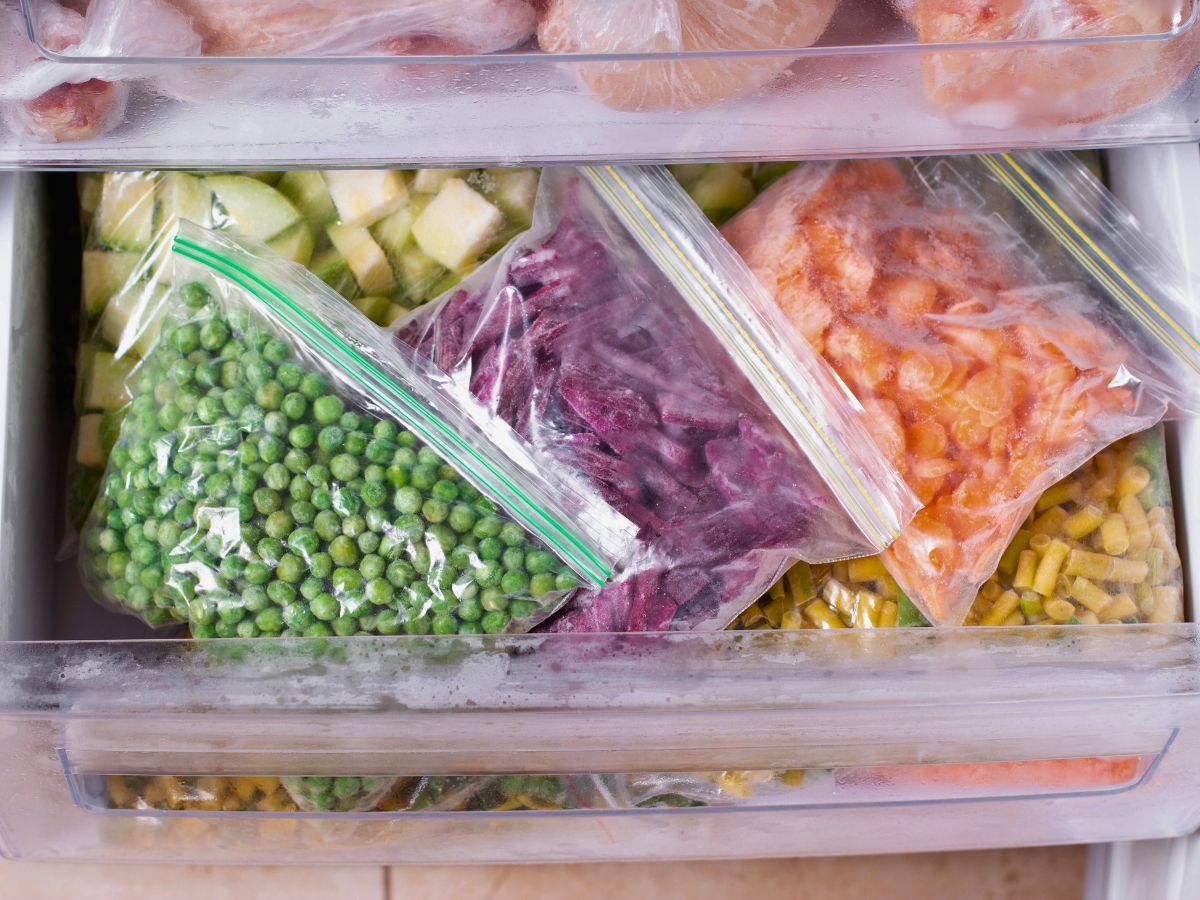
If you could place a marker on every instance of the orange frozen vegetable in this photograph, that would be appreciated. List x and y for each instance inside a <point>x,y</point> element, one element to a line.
<point>984,384</point>
<point>1049,774</point>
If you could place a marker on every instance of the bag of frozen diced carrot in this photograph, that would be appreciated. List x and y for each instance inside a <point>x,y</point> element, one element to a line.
<point>995,346</point>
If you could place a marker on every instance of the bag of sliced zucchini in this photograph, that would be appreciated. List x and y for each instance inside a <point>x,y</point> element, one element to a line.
<point>283,470</point>
<point>385,240</point>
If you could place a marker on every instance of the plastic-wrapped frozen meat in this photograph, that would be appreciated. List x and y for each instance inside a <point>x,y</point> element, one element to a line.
<point>49,101</point>
<point>332,27</point>
<point>1084,71</point>
<point>589,335</point>
<point>674,26</point>
<point>995,354</point>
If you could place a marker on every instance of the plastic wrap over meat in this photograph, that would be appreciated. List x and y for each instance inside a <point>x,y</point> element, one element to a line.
<point>674,26</point>
<point>581,343</point>
<point>49,101</point>
<point>1061,81</point>
<point>332,27</point>
<point>994,355</point>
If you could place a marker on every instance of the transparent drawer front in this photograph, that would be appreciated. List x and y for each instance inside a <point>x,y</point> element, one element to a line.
<point>218,83</point>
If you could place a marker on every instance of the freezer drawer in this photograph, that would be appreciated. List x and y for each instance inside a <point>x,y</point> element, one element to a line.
<point>76,709</point>
<point>229,86</point>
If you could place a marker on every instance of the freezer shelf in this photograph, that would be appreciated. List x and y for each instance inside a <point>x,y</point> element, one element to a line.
<point>870,84</point>
<point>73,711</point>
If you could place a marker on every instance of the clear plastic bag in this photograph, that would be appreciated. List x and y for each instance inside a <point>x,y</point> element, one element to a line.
<point>624,339</point>
<point>674,26</point>
<point>49,101</point>
<point>353,230</point>
<point>349,27</point>
<point>275,475</point>
<point>1002,320</point>
<point>1059,81</point>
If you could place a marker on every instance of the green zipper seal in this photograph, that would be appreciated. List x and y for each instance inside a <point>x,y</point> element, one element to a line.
<point>410,410</point>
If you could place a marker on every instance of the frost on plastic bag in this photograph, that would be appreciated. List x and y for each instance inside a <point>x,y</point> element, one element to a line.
<point>1084,73</point>
<point>674,26</point>
<point>269,478</point>
<point>347,27</point>
<point>988,375</point>
<point>49,101</point>
<point>583,345</point>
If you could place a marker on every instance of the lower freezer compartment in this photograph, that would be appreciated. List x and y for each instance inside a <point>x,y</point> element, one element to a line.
<point>118,745</point>
<point>388,796</point>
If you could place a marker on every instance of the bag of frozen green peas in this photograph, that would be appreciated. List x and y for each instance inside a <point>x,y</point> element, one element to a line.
<point>283,471</point>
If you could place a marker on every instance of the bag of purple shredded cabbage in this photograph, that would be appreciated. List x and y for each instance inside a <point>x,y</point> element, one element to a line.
<point>623,337</point>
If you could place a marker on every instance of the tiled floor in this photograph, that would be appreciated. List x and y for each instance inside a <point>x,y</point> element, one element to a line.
<point>1053,873</point>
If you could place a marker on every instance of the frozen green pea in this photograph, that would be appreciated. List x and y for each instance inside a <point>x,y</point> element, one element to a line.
<point>469,609</point>
<point>513,558</point>
<point>514,581</point>
<point>324,606</point>
<point>401,573</point>
<point>269,550</point>
<point>445,624</point>
<point>247,628</point>
<point>291,376</point>
<point>346,579</point>
<point>312,386</point>
<point>494,622</point>
<point>297,616</point>
<point>311,588</point>
<point>213,334</point>
<point>320,565</point>
<point>512,535</point>
<point>522,609</point>
<point>266,501</point>
<point>487,527</point>
<point>345,626</point>
<point>565,581</point>
<point>276,351</point>
<point>343,550</point>
<point>368,541</point>
<point>423,477</point>
<point>379,451</point>
<point>269,395</point>
<point>462,518</point>
<point>301,436</point>
<point>435,510</point>
<point>492,599</point>
<point>294,406</point>
<point>372,566</point>
<point>490,549</point>
<point>321,498</point>
<point>344,467</point>
<point>276,424</point>
<point>270,449</point>
<point>407,500</point>
<point>327,409</point>
<point>255,599</point>
<point>541,584</point>
<point>270,620</point>
<point>297,461</point>
<point>303,511</point>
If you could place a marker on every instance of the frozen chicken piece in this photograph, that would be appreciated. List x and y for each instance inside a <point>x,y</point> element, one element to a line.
<point>239,28</point>
<point>665,26</point>
<point>1060,82</point>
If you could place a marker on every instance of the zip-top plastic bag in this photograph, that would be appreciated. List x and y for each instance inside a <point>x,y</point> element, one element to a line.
<point>1074,60</point>
<point>656,27</point>
<point>1001,318</point>
<point>284,470</point>
<point>622,337</point>
<point>380,238</point>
